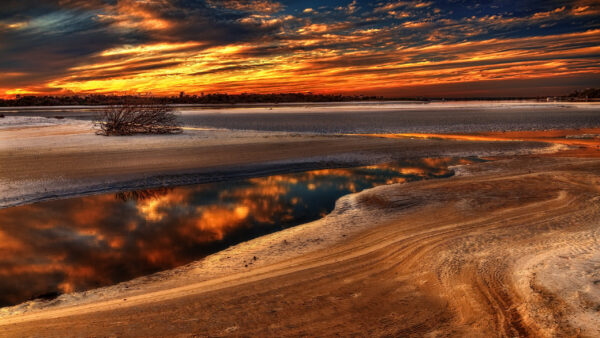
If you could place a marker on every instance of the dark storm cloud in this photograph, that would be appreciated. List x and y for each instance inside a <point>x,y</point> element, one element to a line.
<point>44,39</point>
<point>53,38</point>
<point>194,21</point>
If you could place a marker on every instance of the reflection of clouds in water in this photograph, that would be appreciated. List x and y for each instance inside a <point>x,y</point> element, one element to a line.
<point>81,243</point>
<point>212,223</point>
<point>153,209</point>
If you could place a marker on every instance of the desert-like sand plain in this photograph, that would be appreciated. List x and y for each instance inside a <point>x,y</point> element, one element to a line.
<point>508,247</point>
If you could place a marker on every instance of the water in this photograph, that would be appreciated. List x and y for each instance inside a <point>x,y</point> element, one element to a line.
<point>77,244</point>
<point>367,117</point>
<point>390,117</point>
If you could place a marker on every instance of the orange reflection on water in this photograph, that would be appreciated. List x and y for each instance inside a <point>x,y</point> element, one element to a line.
<point>218,221</point>
<point>152,208</point>
<point>460,137</point>
<point>81,243</point>
<point>584,142</point>
<point>9,245</point>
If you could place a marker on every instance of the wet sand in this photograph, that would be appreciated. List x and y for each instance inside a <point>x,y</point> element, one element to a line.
<point>505,248</point>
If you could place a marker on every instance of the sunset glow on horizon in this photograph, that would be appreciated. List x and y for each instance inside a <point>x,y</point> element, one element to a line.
<point>389,48</point>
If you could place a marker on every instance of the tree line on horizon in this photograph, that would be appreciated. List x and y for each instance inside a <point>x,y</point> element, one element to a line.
<point>588,93</point>
<point>101,99</point>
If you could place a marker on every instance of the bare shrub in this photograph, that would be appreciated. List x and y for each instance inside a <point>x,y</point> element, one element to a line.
<point>129,119</point>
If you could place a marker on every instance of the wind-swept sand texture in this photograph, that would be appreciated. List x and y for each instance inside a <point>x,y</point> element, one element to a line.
<point>509,248</point>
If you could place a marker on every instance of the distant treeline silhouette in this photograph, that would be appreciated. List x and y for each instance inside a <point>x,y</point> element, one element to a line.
<point>31,100</point>
<point>589,93</point>
<point>98,99</point>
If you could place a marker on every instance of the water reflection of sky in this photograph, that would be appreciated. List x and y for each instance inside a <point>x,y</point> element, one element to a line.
<point>81,243</point>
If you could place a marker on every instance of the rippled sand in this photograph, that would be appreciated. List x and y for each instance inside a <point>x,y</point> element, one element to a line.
<point>508,248</point>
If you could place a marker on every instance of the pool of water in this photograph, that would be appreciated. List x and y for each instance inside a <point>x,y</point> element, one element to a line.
<point>81,243</point>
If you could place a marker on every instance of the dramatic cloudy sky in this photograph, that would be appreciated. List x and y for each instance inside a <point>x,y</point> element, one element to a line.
<point>392,48</point>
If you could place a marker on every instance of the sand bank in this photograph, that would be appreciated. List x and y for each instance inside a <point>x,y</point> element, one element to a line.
<point>44,158</point>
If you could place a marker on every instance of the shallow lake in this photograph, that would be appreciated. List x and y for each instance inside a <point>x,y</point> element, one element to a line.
<point>366,117</point>
<point>76,244</point>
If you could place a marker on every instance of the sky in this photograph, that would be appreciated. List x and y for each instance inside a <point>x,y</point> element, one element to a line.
<point>452,48</point>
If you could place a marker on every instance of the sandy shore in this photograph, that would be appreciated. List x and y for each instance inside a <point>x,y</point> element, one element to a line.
<point>506,248</point>
<point>46,158</point>
<point>460,256</point>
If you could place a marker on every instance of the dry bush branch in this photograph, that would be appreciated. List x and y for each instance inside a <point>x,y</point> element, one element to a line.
<point>129,119</point>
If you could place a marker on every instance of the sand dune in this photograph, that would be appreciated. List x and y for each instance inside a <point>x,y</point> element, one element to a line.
<point>509,248</point>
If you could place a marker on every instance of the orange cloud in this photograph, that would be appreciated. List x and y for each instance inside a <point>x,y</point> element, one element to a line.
<point>349,48</point>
